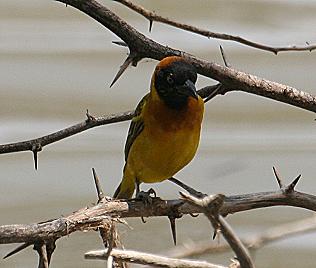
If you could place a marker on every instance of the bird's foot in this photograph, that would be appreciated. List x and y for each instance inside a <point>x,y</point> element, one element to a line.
<point>146,196</point>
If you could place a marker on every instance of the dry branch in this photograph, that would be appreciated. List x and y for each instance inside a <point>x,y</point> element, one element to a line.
<point>142,47</point>
<point>150,259</point>
<point>100,214</point>
<point>37,144</point>
<point>152,16</point>
<point>272,234</point>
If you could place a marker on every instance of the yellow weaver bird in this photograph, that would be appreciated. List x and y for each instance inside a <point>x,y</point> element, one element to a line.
<point>165,131</point>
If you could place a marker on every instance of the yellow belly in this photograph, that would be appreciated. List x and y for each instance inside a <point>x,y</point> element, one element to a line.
<point>167,143</point>
<point>162,155</point>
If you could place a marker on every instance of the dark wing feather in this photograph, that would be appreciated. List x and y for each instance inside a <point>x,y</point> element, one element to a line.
<point>136,126</point>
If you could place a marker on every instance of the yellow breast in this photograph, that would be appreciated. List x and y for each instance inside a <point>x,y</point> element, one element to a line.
<point>168,141</point>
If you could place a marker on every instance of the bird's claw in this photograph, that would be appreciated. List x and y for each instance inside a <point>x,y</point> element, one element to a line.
<point>146,196</point>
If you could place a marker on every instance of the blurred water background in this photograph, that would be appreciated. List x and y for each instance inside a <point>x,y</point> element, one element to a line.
<point>56,62</point>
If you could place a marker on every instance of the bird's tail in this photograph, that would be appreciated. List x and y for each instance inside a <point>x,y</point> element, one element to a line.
<point>126,188</point>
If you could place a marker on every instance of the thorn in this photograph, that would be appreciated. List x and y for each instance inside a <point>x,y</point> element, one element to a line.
<point>193,215</point>
<point>278,178</point>
<point>143,219</point>
<point>50,247</point>
<point>290,188</point>
<point>120,43</point>
<point>97,185</point>
<point>216,231</point>
<point>18,249</point>
<point>36,147</point>
<point>89,117</point>
<point>224,56</point>
<point>214,234</point>
<point>172,220</point>
<point>123,67</point>
<point>150,25</point>
<point>173,215</point>
<point>35,159</point>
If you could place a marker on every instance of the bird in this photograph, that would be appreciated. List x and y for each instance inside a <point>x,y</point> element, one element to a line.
<point>164,133</point>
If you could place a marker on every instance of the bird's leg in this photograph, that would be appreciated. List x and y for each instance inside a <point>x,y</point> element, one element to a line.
<point>137,183</point>
<point>146,196</point>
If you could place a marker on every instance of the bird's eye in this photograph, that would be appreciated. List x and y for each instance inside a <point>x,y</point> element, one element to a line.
<point>170,79</point>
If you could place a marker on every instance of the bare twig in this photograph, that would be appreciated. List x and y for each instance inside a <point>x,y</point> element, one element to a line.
<point>272,234</point>
<point>64,133</point>
<point>188,188</point>
<point>37,144</point>
<point>282,231</point>
<point>151,259</point>
<point>152,16</point>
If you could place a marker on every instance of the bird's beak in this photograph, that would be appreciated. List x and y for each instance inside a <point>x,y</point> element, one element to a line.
<point>190,89</point>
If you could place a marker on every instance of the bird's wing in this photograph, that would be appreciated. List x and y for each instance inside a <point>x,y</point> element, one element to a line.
<point>136,126</point>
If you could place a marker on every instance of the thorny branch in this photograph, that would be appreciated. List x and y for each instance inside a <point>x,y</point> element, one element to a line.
<point>100,214</point>
<point>43,235</point>
<point>152,16</point>
<point>36,145</point>
<point>141,47</point>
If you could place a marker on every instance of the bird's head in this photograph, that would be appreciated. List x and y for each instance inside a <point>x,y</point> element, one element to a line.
<point>174,80</point>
